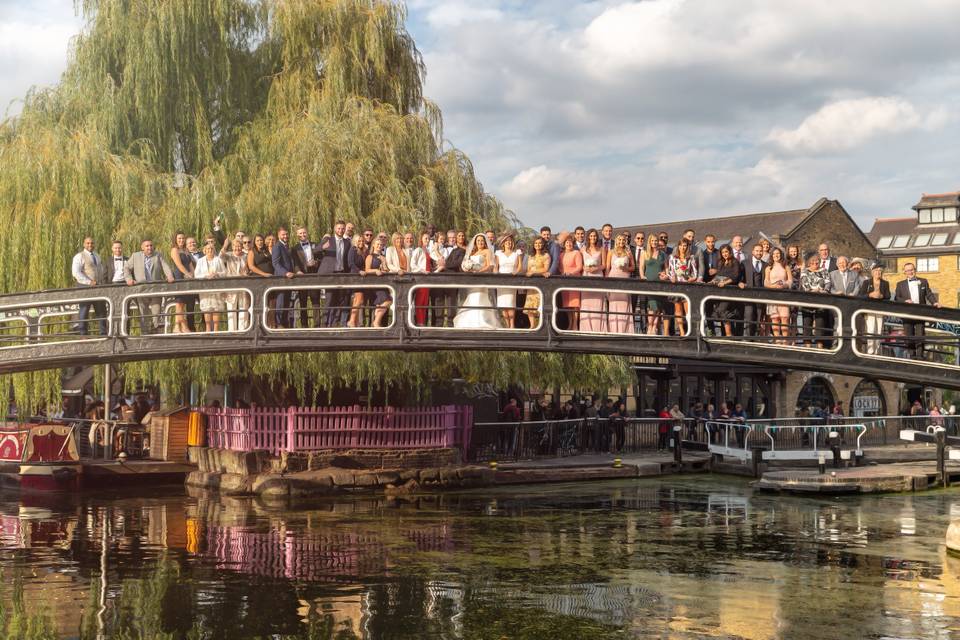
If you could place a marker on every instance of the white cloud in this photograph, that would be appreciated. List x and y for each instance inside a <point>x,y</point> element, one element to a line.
<point>544,183</point>
<point>846,124</point>
<point>452,14</point>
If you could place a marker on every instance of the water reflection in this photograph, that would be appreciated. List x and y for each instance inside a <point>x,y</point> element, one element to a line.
<point>680,558</point>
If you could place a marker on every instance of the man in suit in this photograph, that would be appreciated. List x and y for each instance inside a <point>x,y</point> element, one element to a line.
<point>553,249</point>
<point>89,271</point>
<point>914,290</point>
<point>283,267</point>
<point>306,259</point>
<point>736,243</point>
<point>148,266</point>
<point>336,259</point>
<point>116,263</point>
<point>753,278</point>
<point>827,262</point>
<point>606,238</point>
<point>843,281</point>
<point>691,237</point>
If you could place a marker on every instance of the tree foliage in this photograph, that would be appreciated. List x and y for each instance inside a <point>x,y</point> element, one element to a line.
<point>276,112</point>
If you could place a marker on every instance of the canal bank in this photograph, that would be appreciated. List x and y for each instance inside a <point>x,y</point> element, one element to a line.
<point>889,469</point>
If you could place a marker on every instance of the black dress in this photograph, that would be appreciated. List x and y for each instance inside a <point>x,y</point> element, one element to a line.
<point>731,272</point>
<point>263,261</point>
<point>381,295</point>
<point>188,263</point>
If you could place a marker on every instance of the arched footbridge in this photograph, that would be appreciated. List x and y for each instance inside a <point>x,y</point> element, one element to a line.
<point>461,311</point>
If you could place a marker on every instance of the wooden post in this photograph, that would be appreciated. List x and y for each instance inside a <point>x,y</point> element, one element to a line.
<point>942,458</point>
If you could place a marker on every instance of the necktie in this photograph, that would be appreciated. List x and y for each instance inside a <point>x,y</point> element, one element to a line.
<point>739,256</point>
<point>96,263</point>
<point>148,268</point>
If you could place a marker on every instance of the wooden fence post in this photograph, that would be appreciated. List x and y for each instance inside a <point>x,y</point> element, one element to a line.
<point>291,444</point>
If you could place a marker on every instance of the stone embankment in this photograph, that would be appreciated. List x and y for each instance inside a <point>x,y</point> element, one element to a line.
<point>328,473</point>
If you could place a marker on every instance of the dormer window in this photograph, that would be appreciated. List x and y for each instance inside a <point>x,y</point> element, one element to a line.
<point>938,215</point>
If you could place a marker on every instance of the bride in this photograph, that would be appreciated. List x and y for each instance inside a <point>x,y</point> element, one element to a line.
<point>477,312</point>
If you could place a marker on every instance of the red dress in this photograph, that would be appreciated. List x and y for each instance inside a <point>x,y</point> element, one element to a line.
<point>421,300</point>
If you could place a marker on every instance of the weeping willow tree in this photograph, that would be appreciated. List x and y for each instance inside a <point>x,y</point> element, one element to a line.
<point>275,112</point>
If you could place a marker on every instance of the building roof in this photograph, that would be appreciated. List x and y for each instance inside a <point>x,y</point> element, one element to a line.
<point>899,237</point>
<point>775,224</point>
<point>938,200</point>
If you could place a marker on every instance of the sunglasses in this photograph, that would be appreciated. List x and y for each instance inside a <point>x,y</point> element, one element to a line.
<point>368,235</point>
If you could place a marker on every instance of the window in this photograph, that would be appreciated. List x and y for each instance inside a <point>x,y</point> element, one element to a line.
<point>928,265</point>
<point>924,216</point>
<point>900,242</point>
<point>889,264</point>
<point>939,239</point>
<point>956,239</point>
<point>922,240</point>
<point>884,242</point>
<point>950,214</point>
<point>936,215</point>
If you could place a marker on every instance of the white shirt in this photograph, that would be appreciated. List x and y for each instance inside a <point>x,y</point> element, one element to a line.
<point>206,267</point>
<point>914,284</point>
<point>118,264</point>
<point>307,250</point>
<point>77,267</point>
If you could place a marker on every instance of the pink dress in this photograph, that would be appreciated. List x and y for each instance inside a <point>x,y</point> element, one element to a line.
<point>621,316</point>
<point>592,317</point>
<point>571,264</point>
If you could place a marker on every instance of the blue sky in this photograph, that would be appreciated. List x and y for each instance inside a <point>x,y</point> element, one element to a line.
<point>632,112</point>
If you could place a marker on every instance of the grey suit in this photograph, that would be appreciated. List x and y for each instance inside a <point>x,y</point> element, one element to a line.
<point>150,307</point>
<point>845,283</point>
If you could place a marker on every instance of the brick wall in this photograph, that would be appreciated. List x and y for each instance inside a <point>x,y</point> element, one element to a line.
<point>945,282</point>
<point>832,225</point>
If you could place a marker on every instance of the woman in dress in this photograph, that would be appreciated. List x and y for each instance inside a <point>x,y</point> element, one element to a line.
<point>358,265</point>
<point>211,304</point>
<point>874,288</point>
<point>728,274</point>
<point>653,267</point>
<point>538,264</point>
<point>237,303</point>
<point>476,311</point>
<point>396,256</point>
<point>681,267</point>
<point>816,280</point>
<point>260,263</point>
<point>507,262</point>
<point>183,265</point>
<point>619,265</point>
<point>571,264</point>
<point>795,265</point>
<point>374,265</point>
<point>592,317</point>
<point>777,276</point>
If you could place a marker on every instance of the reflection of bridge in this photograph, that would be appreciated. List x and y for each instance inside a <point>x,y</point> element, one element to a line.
<point>37,330</point>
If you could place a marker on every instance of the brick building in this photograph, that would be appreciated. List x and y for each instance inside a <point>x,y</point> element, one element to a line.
<point>930,238</point>
<point>764,391</point>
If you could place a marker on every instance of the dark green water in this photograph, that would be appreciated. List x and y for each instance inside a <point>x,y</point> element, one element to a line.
<point>678,558</point>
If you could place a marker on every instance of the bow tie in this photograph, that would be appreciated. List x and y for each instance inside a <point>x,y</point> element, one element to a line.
<point>116,259</point>
<point>913,280</point>
<point>304,244</point>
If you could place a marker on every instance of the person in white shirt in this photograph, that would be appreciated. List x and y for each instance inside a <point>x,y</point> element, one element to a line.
<point>237,302</point>
<point>211,304</point>
<point>88,271</point>
<point>116,263</point>
<point>424,260</point>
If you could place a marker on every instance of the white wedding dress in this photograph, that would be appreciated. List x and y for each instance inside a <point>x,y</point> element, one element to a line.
<point>471,317</point>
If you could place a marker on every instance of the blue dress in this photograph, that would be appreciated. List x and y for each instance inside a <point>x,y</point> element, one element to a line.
<point>188,263</point>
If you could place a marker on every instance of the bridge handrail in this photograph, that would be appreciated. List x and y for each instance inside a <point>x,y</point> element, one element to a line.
<point>860,427</point>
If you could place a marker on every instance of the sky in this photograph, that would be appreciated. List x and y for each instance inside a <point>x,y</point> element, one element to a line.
<point>639,112</point>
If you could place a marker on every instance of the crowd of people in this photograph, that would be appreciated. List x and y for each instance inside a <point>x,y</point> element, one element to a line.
<point>587,253</point>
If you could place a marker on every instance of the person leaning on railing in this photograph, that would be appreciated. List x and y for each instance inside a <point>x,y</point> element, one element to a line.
<point>914,290</point>
<point>874,288</point>
<point>210,266</point>
<point>814,280</point>
<point>237,302</point>
<point>729,273</point>
<point>146,266</point>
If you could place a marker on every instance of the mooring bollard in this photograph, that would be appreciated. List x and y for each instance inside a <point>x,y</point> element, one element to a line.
<point>493,465</point>
<point>822,464</point>
<point>677,445</point>
<point>617,463</point>
<point>941,435</point>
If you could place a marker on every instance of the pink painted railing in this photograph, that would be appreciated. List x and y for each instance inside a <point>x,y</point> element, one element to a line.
<point>299,429</point>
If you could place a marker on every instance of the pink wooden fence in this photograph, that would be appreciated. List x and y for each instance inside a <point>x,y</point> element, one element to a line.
<point>324,428</point>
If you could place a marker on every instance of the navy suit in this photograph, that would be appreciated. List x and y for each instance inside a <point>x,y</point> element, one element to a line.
<point>338,300</point>
<point>753,279</point>
<point>554,250</point>
<point>282,265</point>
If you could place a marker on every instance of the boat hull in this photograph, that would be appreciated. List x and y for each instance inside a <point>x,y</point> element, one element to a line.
<point>50,477</point>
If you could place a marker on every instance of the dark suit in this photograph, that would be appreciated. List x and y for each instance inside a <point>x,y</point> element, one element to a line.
<point>753,279</point>
<point>298,252</point>
<point>338,300</point>
<point>914,330</point>
<point>831,265</point>
<point>160,271</point>
<point>282,265</point>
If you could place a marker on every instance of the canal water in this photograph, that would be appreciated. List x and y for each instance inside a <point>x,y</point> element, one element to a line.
<point>673,558</point>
